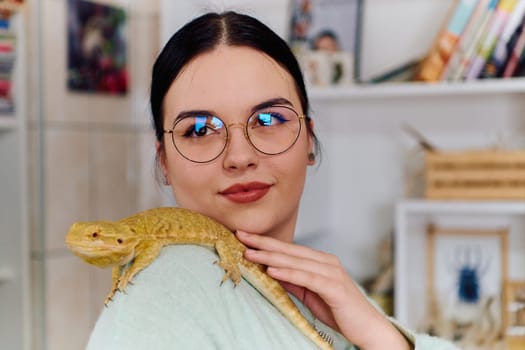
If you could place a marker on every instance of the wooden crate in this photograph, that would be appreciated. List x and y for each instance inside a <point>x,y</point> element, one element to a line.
<point>496,175</point>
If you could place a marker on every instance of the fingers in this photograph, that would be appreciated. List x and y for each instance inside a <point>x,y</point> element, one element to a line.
<point>296,264</point>
<point>321,282</point>
<point>264,243</point>
<point>279,263</point>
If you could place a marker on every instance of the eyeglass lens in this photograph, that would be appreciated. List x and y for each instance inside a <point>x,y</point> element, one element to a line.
<point>202,138</point>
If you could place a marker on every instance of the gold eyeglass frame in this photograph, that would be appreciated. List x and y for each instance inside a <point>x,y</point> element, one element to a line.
<point>245,132</point>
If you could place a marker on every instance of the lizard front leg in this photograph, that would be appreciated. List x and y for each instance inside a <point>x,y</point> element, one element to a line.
<point>115,277</point>
<point>146,252</point>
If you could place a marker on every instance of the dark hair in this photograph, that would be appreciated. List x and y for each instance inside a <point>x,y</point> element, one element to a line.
<point>325,33</point>
<point>205,33</point>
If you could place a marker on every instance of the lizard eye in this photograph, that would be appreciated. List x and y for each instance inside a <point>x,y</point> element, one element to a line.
<point>119,241</point>
<point>94,235</point>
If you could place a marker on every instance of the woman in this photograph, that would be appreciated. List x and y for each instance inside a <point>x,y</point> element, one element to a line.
<point>234,140</point>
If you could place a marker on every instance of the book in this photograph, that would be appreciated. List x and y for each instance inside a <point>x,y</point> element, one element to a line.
<point>433,65</point>
<point>472,41</point>
<point>495,64</point>
<point>403,72</point>
<point>476,19</point>
<point>498,21</point>
<point>515,56</point>
<point>520,67</point>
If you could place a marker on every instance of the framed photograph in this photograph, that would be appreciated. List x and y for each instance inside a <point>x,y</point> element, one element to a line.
<point>330,26</point>
<point>322,68</point>
<point>96,57</point>
<point>466,274</point>
<point>515,315</point>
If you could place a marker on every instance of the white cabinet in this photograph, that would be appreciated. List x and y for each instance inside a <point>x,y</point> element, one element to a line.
<point>14,251</point>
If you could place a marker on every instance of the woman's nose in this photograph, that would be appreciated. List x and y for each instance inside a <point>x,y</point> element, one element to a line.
<point>239,153</point>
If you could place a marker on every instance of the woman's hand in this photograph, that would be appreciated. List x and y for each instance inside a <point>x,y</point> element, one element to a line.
<point>321,283</point>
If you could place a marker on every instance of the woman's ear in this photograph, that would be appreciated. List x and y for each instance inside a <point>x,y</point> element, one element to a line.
<point>311,153</point>
<point>161,161</point>
<point>311,158</point>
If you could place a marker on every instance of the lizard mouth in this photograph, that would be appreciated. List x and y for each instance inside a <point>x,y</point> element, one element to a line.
<point>100,254</point>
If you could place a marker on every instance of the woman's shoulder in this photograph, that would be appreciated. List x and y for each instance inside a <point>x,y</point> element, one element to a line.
<point>182,277</point>
<point>182,267</point>
<point>179,300</point>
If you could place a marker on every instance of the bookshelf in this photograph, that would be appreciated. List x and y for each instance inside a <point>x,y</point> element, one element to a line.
<point>14,242</point>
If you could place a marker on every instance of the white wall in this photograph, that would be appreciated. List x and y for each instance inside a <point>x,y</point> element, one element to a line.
<point>90,157</point>
<point>176,13</point>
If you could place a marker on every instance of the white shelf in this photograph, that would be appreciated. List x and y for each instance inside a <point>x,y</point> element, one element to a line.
<point>412,89</point>
<point>462,207</point>
<point>7,122</point>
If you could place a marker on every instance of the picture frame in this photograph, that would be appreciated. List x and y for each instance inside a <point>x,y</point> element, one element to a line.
<point>327,68</point>
<point>466,275</point>
<point>96,48</point>
<point>332,26</point>
<point>515,314</point>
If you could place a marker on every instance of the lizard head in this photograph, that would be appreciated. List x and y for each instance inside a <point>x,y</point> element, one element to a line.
<point>102,243</point>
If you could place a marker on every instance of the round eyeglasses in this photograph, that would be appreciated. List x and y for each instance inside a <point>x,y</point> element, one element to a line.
<point>202,138</point>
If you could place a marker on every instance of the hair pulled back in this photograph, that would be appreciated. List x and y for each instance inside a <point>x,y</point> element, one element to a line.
<point>202,35</point>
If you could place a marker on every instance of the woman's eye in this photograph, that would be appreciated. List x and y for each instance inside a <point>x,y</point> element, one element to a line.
<point>197,131</point>
<point>269,118</point>
<point>202,126</point>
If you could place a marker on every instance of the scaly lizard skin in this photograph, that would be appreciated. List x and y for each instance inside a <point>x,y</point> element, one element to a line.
<point>131,244</point>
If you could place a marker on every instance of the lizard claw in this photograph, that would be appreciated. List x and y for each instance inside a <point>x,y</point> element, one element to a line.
<point>230,272</point>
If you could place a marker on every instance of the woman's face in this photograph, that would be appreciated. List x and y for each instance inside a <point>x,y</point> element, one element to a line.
<point>243,188</point>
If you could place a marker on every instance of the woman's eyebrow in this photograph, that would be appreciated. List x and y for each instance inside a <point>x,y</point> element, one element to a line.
<point>265,104</point>
<point>191,113</point>
<point>272,102</point>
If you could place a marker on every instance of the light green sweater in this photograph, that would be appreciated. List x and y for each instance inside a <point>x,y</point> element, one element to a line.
<point>178,303</point>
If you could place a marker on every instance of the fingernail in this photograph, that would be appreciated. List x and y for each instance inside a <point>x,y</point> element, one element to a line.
<point>249,251</point>
<point>242,234</point>
<point>272,270</point>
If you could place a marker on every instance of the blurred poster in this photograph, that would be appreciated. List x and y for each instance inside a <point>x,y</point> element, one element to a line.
<point>96,48</point>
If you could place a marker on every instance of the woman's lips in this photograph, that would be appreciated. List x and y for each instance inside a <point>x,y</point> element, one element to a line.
<point>245,193</point>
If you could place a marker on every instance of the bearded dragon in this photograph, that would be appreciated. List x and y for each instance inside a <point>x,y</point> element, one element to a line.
<point>131,244</point>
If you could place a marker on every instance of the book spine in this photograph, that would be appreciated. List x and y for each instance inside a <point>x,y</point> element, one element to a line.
<point>520,67</point>
<point>434,63</point>
<point>472,42</point>
<point>499,20</point>
<point>498,58</point>
<point>514,56</point>
<point>464,39</point>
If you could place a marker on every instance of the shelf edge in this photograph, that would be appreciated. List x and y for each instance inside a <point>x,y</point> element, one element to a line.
<point>462,207</point>
<point>413,89</point>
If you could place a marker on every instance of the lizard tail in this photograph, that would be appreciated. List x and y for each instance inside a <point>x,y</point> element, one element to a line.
<point>278,296</point>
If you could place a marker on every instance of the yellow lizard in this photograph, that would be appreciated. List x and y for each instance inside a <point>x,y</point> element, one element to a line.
<point>131,244</point>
